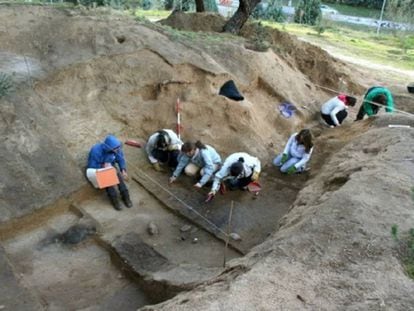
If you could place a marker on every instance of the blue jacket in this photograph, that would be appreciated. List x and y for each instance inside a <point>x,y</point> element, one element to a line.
<point>102,153</point>
<point>204,158</point>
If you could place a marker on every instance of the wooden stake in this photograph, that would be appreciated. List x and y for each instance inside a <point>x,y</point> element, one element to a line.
<point>228,233</point>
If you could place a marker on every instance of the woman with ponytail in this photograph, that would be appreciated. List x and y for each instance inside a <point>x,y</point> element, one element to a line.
<point>296,154</point>
<point>197,157</point>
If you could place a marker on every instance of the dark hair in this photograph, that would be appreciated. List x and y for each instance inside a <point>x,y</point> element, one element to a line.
<point>237,167</point>
<point>190,146</point>
<point>380,99</point>
<point>304,137</point>
<point>350,101</point>
<point>162,140</point>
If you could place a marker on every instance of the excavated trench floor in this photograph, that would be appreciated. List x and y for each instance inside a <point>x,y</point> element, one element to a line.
<point>125,267</point>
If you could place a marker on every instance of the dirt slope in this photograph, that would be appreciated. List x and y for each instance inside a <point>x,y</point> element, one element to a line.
<point>334,250</point>
<point>82,74</point>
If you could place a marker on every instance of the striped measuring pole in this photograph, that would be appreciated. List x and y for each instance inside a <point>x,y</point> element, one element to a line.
<point>178,112</point>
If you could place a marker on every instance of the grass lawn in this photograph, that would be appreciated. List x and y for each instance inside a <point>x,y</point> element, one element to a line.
<point>350,40</point>
<point>388,49</point>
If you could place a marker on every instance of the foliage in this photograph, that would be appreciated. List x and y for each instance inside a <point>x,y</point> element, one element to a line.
<point>308,12</point>
<point>5,84</point>
<point>375,4</point>
<point>210,6</point>
<point>271,12</point>
<point>359,40</point>
<point>405,249</point>
<point>401,10</point>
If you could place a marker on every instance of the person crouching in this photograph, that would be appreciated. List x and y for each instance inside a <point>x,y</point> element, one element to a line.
<point>296,154</point>
<point>334,111</point>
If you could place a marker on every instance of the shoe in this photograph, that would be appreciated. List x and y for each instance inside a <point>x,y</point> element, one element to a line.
<point>127,200</point>
<point>115,203</point>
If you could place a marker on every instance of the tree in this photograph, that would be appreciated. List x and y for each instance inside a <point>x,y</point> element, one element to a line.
<point>308,12</point>
<point>199,5</point>
<point>236,22</point>
<point>401,10</point>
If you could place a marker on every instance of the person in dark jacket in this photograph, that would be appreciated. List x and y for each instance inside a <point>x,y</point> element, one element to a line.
<point>109,153</point>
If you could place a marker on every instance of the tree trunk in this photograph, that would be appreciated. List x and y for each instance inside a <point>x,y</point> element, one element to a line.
<point>236,22</point>
<point>200,6</point>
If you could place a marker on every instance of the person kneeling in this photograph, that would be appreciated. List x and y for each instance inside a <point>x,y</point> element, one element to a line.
<point>197,157</point>
<point>239,169</point>
<point>163,147</point>
<point>296,154</point>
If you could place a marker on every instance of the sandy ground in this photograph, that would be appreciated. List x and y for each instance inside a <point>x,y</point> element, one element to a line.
<point>323,236</point>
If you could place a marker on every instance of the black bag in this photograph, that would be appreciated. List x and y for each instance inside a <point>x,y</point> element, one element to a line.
<point>230,90</point>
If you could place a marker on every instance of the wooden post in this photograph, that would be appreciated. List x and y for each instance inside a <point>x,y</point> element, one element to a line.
<point>228,233</point>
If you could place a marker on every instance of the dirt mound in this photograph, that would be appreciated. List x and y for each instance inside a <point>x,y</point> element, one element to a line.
<point>317,64</point>
<point>206,22</point>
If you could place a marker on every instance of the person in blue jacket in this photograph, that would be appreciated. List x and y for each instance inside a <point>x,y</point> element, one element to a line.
<point>197,157</point>
<point>296,154</point>
<point>109,153</point>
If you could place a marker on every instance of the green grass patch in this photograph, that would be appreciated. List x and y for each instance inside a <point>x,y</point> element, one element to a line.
<point>396,50</point>
<point>405,248</point>
<point>355,10</point>
<point>151,14</point>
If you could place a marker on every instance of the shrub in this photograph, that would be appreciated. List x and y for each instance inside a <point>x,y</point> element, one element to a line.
<point>272,12</point>
<point>405,249</point>
<point>5,84</point>
<point>308,12</point>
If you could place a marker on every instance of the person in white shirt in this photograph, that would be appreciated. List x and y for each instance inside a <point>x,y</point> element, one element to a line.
<point>296,154</point>
<point>238,170</point>
<point>163,146</point>
<point>334,111</point>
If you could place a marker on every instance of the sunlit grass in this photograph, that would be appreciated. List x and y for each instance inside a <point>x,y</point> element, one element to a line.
<point>394,50</point>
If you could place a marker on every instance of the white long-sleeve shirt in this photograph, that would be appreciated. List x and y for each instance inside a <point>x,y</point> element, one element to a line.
<point>251,164</point>
<point>174,144</point>
<point>332,107</point>
<point>296,150</point>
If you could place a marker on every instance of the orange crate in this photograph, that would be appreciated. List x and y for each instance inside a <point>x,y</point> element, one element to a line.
<point>106,177</point>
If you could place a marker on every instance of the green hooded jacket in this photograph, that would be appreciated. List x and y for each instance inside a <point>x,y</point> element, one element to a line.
<point>372,94</point>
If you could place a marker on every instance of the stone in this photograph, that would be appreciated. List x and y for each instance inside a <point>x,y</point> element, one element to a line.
<point>235,236</point>
<point>185,228</point>
<point>152,229</point>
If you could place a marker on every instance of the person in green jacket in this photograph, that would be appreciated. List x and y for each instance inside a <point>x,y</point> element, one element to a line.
<point>377,94</point>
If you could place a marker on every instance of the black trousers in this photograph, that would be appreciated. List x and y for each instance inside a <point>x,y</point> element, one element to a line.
<point>111,191</point>
<point>239,183</point>
<point>362,113</point>
<point>165,156</point>
<point>341,115</point>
